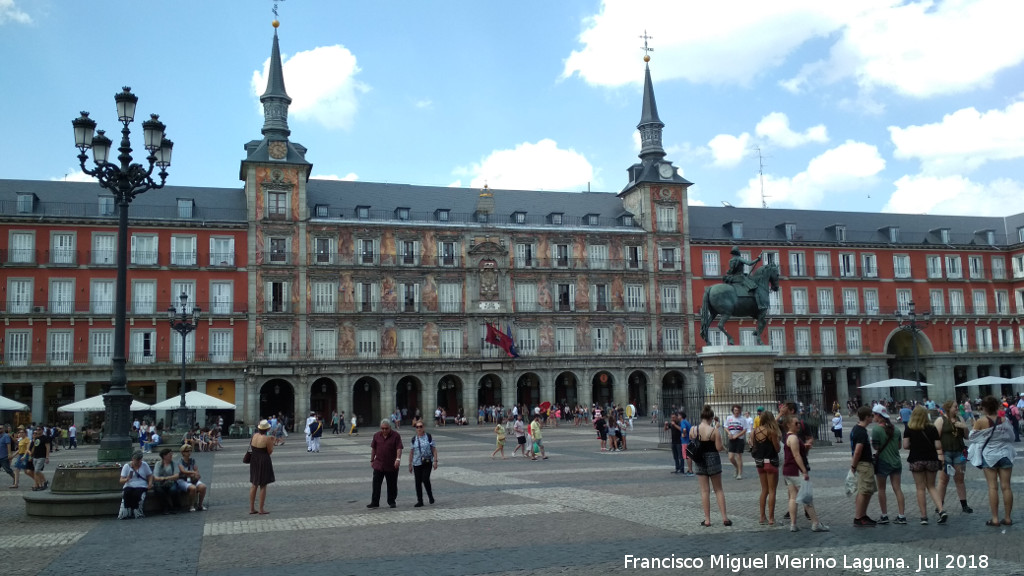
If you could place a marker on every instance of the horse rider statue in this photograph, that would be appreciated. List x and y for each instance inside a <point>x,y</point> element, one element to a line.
<point>737,276</point>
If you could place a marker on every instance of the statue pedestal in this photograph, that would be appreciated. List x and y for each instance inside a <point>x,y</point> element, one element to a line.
<point>742,375</point>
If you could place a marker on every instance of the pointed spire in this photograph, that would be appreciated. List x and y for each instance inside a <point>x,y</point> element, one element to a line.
<point>275,100</point>
<point>650,125</point>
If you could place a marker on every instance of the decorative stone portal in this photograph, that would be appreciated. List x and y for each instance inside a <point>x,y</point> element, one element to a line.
<point>737,375</point>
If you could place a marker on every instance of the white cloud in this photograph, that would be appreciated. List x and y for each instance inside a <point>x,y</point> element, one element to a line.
<point>424,104</point>
<point>350,177</point>
<point>75,175</point>
<point>923,49</point>
<point>964,140</point>
<point>727,150</point>
<point>775,129</point>
<point>849,166</point>
<point>528,166</point>
<point>321,83</point>
<point>9,12</point>
<point>956,195</point>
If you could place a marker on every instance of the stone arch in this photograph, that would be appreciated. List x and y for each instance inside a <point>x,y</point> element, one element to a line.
<point>277,396</point>
<point>366,401</point>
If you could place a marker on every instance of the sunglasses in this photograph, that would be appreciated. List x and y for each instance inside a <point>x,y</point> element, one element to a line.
<point>419,427</point>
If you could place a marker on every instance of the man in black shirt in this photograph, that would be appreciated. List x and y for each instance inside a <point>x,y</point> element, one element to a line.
<point>39,448</point>
<point>862,465</point>
<point>675,434</point>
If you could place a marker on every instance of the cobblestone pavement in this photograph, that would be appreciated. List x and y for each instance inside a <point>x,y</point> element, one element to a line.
<point>582,512</point>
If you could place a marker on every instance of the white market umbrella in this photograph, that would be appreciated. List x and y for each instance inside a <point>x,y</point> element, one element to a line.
<point>8,404</point>
<point>986,381</point>
<point>194,401</point>
<point>895,383</point>
<point>95,404</point>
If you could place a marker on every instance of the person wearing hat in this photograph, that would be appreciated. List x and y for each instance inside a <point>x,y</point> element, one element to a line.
<point>137,479</point>
<point>165,480</point>
<point>888,465</point>
<point>737,275</point>
<point>261,468</point>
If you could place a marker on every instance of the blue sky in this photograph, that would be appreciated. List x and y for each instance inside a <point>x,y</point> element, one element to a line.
<point>874,105</point>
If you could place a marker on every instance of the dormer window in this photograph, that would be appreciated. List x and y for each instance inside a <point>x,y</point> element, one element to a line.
<point>591,219</point>
<point>990,237</point>
<point>26,203</point>
<point>320,210</point>
<point>362,212</point>
<point>894,233</point>
<point>106,206</point>
<point>840,233</point>
<point>185,206</point>
<point>790,231</point>
<point>555,218</point>
<point>944,235</point>
<point>627,220</point>
<point>481,217</point>
<point>519,217</point>
<point>735,229</point>
<point>402,213</point>
<point>441,215</point>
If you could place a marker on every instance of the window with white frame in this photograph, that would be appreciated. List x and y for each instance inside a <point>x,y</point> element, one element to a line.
<point>103,251</point>
<point>186,287</point>
<point>797,264</point>
<point>901,265</point>
<point>851,304</point>
<point>190,347</point>
<point>527,341</point>
<point>871,301</point>
<point>367,251</point>
<point>366,343</point>
<point>670,299</point>
<point>62,248</point>
<point>183,250</point>
<point>1005,339</point>
<point>711,263</point>
<point>944,235</point>
<point>19,348</point>
<point>447,253</point>
<point>636,340</point>
<point>777,339</point>
<point>526,256</point>
<point>410,252</point>
<point>775,303</point>
<point>410,343</point>
<point>142,347</point>
<point>828,341</point>
<point>716,338</point>
<point>980,301</point>
<point>276,298</point>
<point>105,206</point>
<point>799,300</point>
<point>144,296</point>
<point>1018,265</point>
<point>22,248</point>
<point>220,346</point>
<point>894,234</point>
<point>367,296</point>
<point>747,337</point>
<point>19,295</point>
<point>410,294</point>
<point>959,339</point>
<point>101,347</point>
<point>101,295</point>
<point>144,249</point>
<point>566,294</point>
<point>802,340</point>
<point>669,258</point>
<point>953,268</point>
<point>58,347</point>
<point>853,346</point>
<point>771,257</point>
<point>565,341</point>
<point>277,344</point>
<point>998,268</point>
<point>600,341</point>
<point>1020,234</point>
<point>560,255</point>
<point>984,338</point>
<point>222,251</point>
<point>903,298</point>
<point>847,265</point>
<point>869,263</point>
<point>221,297</point>
<point>840,233</point>
<point>937,302</point>
<point>1019,297</point>
<point>62,296</point>
<point>597,254</point>
<point>737,230</point>
<point>822,264</point>
<point>934,266</point>
<point>451,342</point>
<point>449,298</point>
<point>599,297</point>
<point>635,298</point>
<point>671,340</point>
<point>667,219</point>
<point>323,297</point>
<point>26,203</point>
<point>1002,298</point>
<point>790,230</point>
<point>277,204</point>
<point>323,250</point>
<point>956,302</point>
<point>826,301</point>
<point>634,257</point>
<point>185,206</point>
<point>976,267</point>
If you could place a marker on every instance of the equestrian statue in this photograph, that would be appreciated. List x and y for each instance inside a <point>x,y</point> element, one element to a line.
<point>739,294</point>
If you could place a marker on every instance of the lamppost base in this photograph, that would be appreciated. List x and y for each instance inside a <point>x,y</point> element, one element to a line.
<point>117,449</point>
<point>182,422</point>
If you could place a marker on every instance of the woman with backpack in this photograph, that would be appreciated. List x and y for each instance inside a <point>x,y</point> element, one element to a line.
<point>422,459</point>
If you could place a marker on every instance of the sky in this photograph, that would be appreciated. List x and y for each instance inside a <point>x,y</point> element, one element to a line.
<point>874,105</point>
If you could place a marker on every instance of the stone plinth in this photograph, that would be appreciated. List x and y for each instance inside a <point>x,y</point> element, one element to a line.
<point>738,375</point>
<point>81,491</point>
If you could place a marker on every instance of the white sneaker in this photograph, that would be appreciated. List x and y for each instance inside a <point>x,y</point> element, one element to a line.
<point>793,528</point>
<point>819,527</point>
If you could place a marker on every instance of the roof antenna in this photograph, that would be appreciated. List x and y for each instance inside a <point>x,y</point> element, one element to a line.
<point>760,175</point>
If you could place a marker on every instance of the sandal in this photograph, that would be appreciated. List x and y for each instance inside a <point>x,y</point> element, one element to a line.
<point>1007,522</point>
<point>991,523</point>
<point>727,522</point>
<point>705,524</point>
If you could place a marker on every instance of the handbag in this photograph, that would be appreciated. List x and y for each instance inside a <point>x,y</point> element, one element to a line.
<point>694,449</point>
<point>974,454</point>
<point>247,457</point>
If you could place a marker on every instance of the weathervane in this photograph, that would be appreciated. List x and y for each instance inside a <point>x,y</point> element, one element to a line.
<point>647,49</point>
<point>275,9</point>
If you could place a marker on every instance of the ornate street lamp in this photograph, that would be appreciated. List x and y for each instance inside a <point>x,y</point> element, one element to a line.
<point>183,321</point>
<point>909,323</point>
<point>125,181</point>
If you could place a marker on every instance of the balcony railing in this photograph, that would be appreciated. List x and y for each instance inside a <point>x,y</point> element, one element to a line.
<point>106,307</point>
<point>139,211</point>
<point>162,358</point>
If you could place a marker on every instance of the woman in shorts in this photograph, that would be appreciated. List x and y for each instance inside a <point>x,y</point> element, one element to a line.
<point>995,438</point>
<point>709,464</point>
<point>765,447</point>
<point>925,459</point>
<point>796,473</point>
<point>952,433</point>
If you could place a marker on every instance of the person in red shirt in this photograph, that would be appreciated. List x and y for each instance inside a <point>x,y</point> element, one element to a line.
<point>385,459</point>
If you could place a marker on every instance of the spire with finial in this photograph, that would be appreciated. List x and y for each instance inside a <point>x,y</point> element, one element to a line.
<point>650,125</point>
<point>275,100</point>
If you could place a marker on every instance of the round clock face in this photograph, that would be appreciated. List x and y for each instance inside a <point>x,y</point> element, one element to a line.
<point>665,170</point>
<point>277,150</point>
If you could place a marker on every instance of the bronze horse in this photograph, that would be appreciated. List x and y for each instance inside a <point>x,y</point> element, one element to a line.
<point>726,301</point>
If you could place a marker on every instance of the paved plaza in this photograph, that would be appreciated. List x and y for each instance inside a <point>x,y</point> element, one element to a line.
<point>579,512</point>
